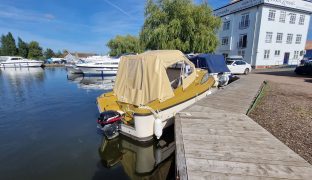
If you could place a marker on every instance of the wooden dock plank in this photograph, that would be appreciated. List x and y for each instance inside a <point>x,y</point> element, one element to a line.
<point>249,169</point>
<point>216,140</point>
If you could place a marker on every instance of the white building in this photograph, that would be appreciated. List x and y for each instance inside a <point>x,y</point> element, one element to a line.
<point>265,32</point>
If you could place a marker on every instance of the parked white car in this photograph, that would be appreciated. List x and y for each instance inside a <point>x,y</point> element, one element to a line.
<point>237,65</point>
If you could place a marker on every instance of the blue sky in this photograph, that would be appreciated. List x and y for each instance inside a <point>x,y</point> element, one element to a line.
<point>76,25</point>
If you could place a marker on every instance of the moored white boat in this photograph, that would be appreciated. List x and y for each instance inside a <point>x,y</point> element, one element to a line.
<point>18,62</point>
<point>108,66</point>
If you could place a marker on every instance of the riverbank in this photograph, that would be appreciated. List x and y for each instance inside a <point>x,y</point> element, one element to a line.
<point>54,65</point>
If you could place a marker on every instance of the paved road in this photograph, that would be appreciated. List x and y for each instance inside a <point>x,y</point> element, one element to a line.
<point>286,77</point>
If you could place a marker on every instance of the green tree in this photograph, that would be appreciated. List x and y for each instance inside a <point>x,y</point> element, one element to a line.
<point>49,53</point>
<point>124,44</point>
<point>179,24</point>
<point>22,48</point>
<point>2,36</point>
<point>59,54</point>
<point>8,46</point>
<point>35,51</point>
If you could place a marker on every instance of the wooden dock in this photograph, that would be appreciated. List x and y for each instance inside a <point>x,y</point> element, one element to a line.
<point>216,140</point>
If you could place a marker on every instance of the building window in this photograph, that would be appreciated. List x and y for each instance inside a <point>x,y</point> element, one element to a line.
<point>292,18</point>
<point>268,38</point>
<point>241,53</point>
<point>301,19</point>
<point>277,53</point>
<point>282,18</point>
<point>289,38</point>
<point>298,39</point>
<point>225,41</point>
<point>226,25</point>
<point>302,53</point>
<point>266,54</point>
<point>272,15</point>
<point>279,38</point>
<point>244,21</point>
<point>296,54</point>
<point>242,41</point>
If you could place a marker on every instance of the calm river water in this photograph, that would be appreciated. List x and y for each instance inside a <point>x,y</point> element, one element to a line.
<point>48,131</point>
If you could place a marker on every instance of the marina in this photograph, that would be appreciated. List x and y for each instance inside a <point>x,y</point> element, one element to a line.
<point>156,90</point>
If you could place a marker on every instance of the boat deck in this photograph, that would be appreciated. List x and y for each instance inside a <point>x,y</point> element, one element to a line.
<point>215,139</point>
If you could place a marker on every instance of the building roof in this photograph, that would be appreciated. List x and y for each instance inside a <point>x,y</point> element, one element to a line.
<point>308,45</point>
<point>234,6</point>
<point>80,54</point>
<point>83,55</point>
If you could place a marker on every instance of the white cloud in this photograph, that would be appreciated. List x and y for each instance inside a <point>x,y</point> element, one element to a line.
<point>11,12</point>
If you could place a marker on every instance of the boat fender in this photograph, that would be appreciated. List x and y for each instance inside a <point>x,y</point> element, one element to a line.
<point>158,127</point>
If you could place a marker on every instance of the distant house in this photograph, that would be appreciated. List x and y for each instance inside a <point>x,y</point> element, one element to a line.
<point>308,49</point>
<point>83,55</point>
<point>70,58</point>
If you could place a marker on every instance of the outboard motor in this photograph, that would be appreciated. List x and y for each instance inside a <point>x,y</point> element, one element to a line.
<point>110,123</point>
<point>109,117</point>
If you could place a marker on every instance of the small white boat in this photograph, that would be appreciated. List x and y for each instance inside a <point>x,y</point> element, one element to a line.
<point>109,66</point>
<point>18,62</point>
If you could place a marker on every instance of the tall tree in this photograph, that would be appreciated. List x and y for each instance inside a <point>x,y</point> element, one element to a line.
<point>8,46</point>
<point>22,48</point>
<point>59,54</point>
<point>49,53</point>
<point>35,51</point>
<point>179,24</point>
<point>124,44</point>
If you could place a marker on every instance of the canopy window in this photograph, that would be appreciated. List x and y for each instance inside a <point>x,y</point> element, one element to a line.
<point>146,77</point>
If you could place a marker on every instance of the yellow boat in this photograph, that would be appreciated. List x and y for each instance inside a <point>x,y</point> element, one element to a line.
<point>150,88</point>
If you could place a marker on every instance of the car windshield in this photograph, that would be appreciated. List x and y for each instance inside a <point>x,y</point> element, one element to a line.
<point>229,62</point>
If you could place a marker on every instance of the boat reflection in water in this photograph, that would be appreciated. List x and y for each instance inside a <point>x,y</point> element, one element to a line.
<point>92,82</point>
<point>20,73</point>
<point>20,78</point>
<point>141,161</point>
